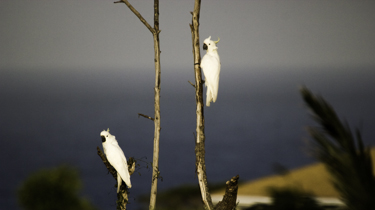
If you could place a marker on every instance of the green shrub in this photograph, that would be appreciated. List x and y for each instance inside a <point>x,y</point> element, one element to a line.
<point>292,199</point>
<point>53,189</point>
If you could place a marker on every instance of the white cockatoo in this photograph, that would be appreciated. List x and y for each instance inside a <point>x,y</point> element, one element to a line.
<point>210,65</point>
<point>116,158</point>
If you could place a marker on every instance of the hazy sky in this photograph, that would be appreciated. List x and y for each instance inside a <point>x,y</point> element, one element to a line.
<point>97,34</point>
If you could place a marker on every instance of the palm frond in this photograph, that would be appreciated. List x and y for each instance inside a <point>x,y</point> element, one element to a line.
<point>344,155</point>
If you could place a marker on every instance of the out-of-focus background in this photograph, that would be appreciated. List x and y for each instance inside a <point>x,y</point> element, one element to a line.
<point>69,69</point>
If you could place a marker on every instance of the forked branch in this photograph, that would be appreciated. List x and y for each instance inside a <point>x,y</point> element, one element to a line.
<point>148,26</point>
<point>155,33</point>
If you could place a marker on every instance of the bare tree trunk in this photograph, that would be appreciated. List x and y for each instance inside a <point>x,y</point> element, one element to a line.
<point>200,138</point>
<point>230,197</point>
<point>155,33</point>
<point>155,162</point>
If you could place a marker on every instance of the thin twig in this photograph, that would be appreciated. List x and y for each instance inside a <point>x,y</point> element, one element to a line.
<point>145,116</point>
<point>152,30</point>
<point>192,84</point>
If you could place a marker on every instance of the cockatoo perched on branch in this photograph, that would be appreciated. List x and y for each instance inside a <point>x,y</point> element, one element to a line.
<point>210,65</point>
<point>116,158</point>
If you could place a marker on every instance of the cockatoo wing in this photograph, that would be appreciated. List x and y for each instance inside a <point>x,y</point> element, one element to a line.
<point>210,65</point>
<point>116,158</point>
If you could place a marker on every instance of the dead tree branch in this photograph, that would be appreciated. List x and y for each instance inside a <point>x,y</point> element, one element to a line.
<point>152,30</point>
<point>145,116</point>
<point>155,33</point>
<point>155,160</point>
<point>230,198</point>
<point>200,138</point>
<point>191,84</point>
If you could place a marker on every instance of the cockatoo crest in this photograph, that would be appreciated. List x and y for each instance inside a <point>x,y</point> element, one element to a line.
<point>210,45</point>
<point>210,65</point>
<point>116,158</point>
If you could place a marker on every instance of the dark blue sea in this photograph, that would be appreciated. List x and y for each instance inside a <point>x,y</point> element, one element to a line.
<point>50,117</point>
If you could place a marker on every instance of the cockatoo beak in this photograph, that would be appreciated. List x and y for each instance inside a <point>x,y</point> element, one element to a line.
<point>103,138</point>
<point>204,46</point>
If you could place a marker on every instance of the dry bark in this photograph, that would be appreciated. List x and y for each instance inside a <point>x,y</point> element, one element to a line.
<point>229,201</point>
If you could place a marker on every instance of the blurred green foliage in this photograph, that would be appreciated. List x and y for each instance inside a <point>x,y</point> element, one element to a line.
<point>292,199</point>
<point>53,189</point>
<point>185,197</point>
<point>288,198</point>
